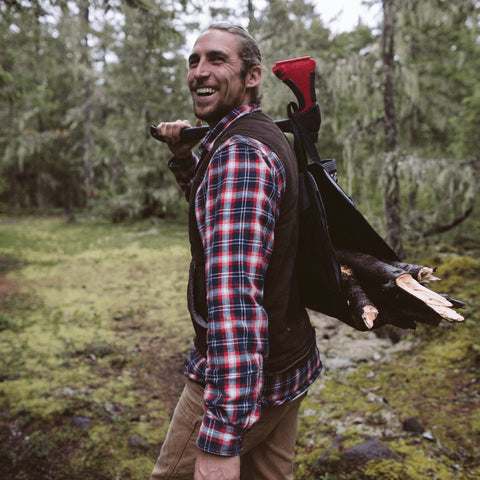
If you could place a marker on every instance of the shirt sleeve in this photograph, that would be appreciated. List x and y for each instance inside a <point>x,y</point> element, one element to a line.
<point>240,199</point>
<point>184,171</point>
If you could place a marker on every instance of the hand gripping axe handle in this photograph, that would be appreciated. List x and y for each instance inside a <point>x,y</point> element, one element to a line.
<point>298,74</point>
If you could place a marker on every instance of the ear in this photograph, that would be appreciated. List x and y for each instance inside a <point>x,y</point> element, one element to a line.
<point>254,77</point>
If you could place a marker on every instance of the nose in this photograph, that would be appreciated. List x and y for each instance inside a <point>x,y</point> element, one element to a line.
<point>202,69</point>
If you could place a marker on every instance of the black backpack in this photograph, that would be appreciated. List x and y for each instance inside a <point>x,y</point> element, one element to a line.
<point>328,220</point>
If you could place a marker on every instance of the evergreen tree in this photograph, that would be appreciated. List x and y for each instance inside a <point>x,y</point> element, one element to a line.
<point>79,94</point>
<point>146,83</point>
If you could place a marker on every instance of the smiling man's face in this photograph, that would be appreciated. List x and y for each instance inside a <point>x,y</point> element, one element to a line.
<point>215,76</point>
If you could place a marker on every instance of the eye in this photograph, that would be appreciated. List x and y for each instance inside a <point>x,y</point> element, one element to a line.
<point>193,62</point>
<point>217,59</point>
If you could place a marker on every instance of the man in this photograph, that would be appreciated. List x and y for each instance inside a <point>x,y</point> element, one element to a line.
<point>254,353</point>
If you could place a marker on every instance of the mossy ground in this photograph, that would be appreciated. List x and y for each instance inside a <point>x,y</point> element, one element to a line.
<point>93,334</point>
<point>94,327</point>
<point>434,378</point>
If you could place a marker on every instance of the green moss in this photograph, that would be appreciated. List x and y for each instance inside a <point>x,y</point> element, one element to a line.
<point>386,470</point>
<point>103,309</point>
<point>137,467</point>
<point>146,429</point>
<point>99,329</point>
<point>318,465</point>
<point>465,267</point>
<point>421,466</point>
<point>32,397</point>
<point>475,423</point>
<point>352,436</point>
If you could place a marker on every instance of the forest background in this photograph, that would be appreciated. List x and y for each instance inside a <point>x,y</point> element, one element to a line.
<point>83,186</point>
<point>80,83</point>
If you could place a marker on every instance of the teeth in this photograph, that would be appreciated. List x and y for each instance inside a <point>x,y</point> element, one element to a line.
<point>205,91</point>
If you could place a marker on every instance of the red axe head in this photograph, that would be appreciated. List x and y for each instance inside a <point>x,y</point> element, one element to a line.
<point>299,75</point>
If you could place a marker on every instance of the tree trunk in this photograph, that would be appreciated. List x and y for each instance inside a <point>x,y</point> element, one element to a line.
<point>392,188</point>
<point>251,15</point>
<point>37,161</point>
<point>87,133</point>
<point>68,200</point>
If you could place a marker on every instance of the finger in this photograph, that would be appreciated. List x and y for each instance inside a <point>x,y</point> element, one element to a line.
<point>161,130</point>
<point>177,128</point>
<point>170,131</point>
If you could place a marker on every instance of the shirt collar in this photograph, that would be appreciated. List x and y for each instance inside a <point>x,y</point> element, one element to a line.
<point>207,142</point>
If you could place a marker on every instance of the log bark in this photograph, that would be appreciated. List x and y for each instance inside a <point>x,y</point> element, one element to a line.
<point>360,304</point>
<point>369,266</point>
<point>419,272</point>
<point>454,301</point>
<point>407,317</point>
<point>392,289</point>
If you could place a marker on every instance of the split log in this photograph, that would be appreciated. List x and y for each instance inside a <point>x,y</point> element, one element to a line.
<point>361,306</point>
<point>405,311</point>
<point>434,300</point>
<point>369,266</point>
<point>402,319</point>
<point>399,308</point>
<point>384,281</point>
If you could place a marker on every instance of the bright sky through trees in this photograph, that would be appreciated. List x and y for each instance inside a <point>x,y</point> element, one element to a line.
<point>343,15</point>
<point>338,15</point>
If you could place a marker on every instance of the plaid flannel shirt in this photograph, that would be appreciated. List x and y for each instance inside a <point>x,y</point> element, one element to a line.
<point>236,208</point>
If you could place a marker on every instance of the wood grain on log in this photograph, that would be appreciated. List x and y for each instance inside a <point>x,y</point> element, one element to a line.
<point>435,301</point>
<point>392,288</point>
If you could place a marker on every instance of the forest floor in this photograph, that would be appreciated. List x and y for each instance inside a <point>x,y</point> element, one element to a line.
<point>94,331</point>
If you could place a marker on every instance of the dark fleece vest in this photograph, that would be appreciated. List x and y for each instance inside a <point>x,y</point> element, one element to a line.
<point>290,334</point>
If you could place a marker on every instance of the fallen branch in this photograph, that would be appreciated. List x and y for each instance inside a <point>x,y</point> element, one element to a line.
<point>392,290</point>
<point>455,302</point>
<point>362,307</point>
<point>407,316</point>
<point>367,265</point>
<point>444,228</point>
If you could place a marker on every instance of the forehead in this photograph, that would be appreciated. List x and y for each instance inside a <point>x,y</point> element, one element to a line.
<point>218,40</point>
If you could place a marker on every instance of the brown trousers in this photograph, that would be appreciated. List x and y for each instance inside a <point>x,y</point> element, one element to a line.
<point>268,448</point>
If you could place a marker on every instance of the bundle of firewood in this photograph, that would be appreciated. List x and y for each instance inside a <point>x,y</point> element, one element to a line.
<point>394,293</point>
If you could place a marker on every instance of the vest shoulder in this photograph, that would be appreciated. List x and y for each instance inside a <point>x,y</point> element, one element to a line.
<point>261,127</point>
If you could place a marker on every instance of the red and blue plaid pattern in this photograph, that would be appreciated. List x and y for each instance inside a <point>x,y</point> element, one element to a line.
<point>236,208</point>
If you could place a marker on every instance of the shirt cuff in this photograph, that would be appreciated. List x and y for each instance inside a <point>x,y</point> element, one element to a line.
<point>183,169</point>
<point>219,439</point>
<point>181,163</point>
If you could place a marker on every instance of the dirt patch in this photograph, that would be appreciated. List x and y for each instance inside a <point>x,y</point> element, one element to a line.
<point>7,287</point>
<point>161,376</point>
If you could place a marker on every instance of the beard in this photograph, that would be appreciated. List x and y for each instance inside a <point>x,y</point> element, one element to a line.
<point>212,113</point>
